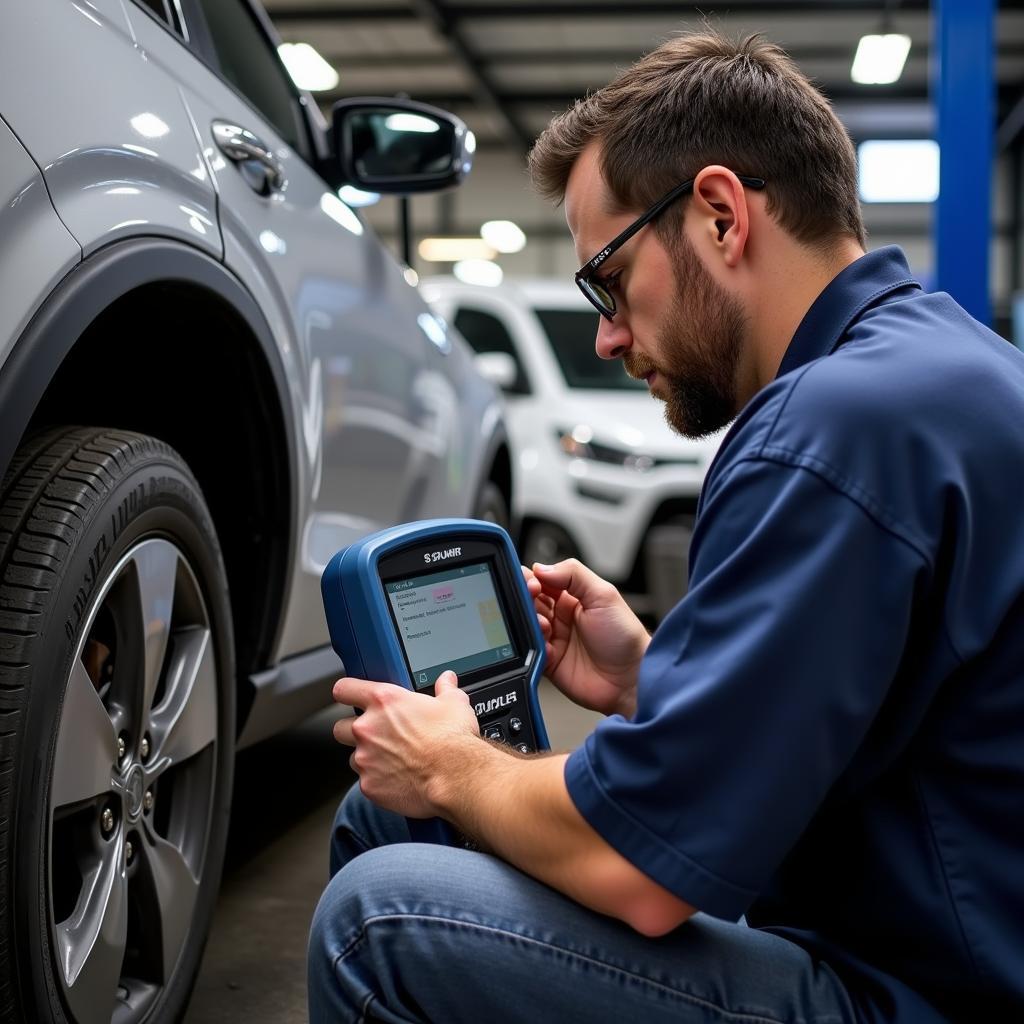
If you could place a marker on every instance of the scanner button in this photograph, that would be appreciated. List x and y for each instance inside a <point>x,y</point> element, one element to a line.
<point>495,732</point>
<point>515,725</point>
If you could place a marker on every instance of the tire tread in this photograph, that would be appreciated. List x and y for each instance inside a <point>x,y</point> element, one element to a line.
<point>52,484</point>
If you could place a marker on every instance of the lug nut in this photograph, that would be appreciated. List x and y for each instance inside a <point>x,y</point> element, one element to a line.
<point>129,852</point>
<point>144,748</point>
<point>147,800</point>
<point>107,821</point>
<point>122,747</point>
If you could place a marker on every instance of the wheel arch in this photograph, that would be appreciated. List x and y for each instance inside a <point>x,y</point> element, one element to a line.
<point>161,308</point>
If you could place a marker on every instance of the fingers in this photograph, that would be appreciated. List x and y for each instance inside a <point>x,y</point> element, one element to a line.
<point>343,731</point>
<point>574,578</point>
<point>362,693</point>
<point>356,692</point>
<point>532,583</point>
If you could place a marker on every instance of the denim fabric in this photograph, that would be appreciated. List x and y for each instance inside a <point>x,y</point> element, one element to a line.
<point>410,932</point>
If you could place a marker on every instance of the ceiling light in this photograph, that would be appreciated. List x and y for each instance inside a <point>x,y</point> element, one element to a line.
<point>503,235</point>
<point>898,170</point>
<point>478,272</point>
<point>308,69</point>
<point>451,250</point>
<point>879,59</point>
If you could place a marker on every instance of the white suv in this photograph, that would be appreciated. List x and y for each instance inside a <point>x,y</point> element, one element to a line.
<point>212,376</point>
<point>598,473</point>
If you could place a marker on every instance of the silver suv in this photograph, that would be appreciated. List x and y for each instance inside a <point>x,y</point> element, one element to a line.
<point>212,376</point>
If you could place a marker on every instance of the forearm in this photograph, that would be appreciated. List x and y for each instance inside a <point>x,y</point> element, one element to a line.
<point>521,810</point>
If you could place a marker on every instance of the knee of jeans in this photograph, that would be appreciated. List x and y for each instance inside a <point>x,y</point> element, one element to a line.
<point>384,880</point>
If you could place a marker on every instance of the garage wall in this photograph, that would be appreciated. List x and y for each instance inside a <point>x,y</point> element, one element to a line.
<point>499,188</point>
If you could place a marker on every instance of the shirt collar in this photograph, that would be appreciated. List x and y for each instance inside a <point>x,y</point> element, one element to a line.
<point>863,283</point>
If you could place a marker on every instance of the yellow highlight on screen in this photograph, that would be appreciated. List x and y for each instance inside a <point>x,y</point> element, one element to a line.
<point>494,628</point>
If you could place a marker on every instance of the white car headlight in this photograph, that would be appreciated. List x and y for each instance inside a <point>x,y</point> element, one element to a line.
<point>578,443</point>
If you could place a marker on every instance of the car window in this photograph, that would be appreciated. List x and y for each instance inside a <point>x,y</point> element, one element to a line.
<point>250,64</point>
<point>487,333</point>
<point>571,333</point>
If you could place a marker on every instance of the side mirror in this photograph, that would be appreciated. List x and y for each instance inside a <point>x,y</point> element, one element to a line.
<point>399,146</point>
<point>497,367</point>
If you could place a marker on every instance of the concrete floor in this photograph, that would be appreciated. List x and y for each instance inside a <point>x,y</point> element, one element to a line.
<point>286,791</point>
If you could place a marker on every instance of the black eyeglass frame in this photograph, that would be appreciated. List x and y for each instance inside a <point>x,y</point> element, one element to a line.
<point>583,275</point>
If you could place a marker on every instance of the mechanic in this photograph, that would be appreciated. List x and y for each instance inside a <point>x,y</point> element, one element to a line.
<point>827,734</point>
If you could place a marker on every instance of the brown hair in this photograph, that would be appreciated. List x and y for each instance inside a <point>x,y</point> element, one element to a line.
<point>702,99</point>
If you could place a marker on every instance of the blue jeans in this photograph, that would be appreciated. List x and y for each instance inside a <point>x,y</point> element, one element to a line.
<point>411,932</point>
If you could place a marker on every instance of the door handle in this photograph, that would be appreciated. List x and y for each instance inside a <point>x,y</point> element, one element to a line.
<point>262,171</point>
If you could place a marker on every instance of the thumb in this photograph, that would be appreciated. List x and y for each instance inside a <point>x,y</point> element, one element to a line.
<point>446,682</point>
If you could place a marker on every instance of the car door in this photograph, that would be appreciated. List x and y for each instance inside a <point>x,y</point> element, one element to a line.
<point>343,314</point>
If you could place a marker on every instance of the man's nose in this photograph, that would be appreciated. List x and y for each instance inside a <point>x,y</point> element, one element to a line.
<point>613,337</point>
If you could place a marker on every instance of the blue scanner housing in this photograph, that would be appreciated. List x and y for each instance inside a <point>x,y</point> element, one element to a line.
<point>393,599</point>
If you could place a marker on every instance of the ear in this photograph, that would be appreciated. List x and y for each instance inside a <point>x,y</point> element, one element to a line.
<point>720,201</point>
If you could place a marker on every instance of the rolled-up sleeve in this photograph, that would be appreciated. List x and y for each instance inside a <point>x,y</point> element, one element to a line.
<point>757,689</point>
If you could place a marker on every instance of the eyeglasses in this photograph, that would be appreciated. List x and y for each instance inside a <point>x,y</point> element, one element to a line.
<point>587,281</point>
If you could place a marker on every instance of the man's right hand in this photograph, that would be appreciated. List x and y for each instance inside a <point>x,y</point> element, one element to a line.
<point>594,641</point>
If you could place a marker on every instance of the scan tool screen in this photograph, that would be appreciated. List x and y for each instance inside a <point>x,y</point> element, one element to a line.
<point>450,619</point>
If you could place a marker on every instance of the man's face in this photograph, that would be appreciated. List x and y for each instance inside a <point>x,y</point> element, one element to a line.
<point>674,326</point>
<point>696,349</point>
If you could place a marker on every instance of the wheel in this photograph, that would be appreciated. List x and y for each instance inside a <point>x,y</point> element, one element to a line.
<point>491,505</point>
<point>116,729</point>
<point>547,543</point>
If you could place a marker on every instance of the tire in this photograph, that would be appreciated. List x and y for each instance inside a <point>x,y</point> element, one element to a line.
<point>115,626</point>
<point>491,505</point>
<point>547,543</point>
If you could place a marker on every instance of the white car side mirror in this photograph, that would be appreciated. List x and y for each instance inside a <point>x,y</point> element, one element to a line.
<point>497,367</point>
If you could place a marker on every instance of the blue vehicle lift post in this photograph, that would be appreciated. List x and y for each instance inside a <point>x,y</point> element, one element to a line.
<point>964,97</point>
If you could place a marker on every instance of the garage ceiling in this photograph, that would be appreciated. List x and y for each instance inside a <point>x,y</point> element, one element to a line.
<point>505,66</point>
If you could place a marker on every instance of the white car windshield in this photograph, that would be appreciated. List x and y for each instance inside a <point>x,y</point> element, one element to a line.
<point>571,333</point>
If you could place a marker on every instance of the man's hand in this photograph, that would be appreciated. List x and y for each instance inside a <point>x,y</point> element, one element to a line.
<point>422,756</point>
<point>401,738</point>
<point>594,641</point>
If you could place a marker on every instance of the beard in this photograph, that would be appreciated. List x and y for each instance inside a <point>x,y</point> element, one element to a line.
<point>699,347</point>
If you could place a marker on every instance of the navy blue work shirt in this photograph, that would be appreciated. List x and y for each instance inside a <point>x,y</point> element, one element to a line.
<point>829,734</point>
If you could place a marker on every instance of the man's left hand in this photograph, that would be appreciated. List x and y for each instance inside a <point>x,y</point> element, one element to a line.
<point>401,738</point>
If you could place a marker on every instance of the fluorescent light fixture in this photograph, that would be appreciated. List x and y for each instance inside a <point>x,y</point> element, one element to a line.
<point>503,235</point>
<point>149,126</point>
<point>898,170</point>
<point>411,123</point>
<point>879,59</point>
<point>308,69</point>
<point>451,250</point>
<point>478,272</point>
<point>357,197</point>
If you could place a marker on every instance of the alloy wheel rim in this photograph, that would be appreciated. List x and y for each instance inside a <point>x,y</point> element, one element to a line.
<point>132,786</point>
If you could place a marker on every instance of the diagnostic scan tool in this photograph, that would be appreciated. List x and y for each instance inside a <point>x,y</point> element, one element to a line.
<point>410,602</point>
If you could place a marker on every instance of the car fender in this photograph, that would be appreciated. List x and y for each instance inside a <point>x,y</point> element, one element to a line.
<point>90,288</point>
<point>39,249</point>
